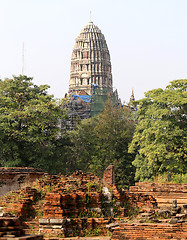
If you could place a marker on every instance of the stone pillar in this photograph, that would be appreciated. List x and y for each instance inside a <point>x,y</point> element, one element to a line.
<point>109,176</point>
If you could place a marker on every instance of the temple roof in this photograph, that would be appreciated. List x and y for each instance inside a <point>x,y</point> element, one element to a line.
<point>90,62</point>
<point>91,27</point>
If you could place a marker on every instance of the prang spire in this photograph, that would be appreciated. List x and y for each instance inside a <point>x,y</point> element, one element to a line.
<point>90,62</point>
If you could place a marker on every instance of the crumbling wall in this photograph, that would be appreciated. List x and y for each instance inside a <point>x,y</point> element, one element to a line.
<point>11,228</point>
<point>20,203</point>
<point>74,205</point>
<point>109,176</point>
<point>150,231</point>
<point>164,193</point>
<point>12,179</point>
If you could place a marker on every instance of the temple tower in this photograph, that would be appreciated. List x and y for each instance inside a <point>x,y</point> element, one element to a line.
<point>132,98</point>
<point>90,62</point>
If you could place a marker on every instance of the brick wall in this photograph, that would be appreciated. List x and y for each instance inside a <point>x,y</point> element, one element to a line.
<point>133,199</point>
<point>74,205</point>
<point>109,176</point>
<point>164,193</point>
<point>11,228</point>
<point>149,231</point>
<point>12,179</point>
<point>20,202</point>
<point>69,227</point>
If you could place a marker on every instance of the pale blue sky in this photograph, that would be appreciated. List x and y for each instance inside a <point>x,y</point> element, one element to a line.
<point>147,40</point>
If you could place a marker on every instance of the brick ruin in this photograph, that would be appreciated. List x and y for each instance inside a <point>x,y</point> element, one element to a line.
<point>164,193</point>
<point>12,179</point>
<point>109,176</point>
<point>150,231</point>
<point>83,205</point>
<point>11,227</point>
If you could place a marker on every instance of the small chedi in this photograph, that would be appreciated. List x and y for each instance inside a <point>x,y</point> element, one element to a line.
<point>83,205</point>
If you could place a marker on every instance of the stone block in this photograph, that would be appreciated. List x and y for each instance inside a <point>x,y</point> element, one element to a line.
<point>43,221</point>
<point>174,203</point>
<point>181,215</point>
<point>56,226</point>
<point>112,225</point>
<point>185,208</point>
<point>173,221</point>
<point>57,221</point>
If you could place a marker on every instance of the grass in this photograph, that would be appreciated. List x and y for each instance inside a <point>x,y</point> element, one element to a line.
<point>98,187</point>
<point>92,232</point>
<point>49,188</point>
<point>39,213</point>
<point>94,214</point>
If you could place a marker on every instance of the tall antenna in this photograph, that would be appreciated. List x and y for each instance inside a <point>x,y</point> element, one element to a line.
<point>23,59</point>
<point>90,16</point>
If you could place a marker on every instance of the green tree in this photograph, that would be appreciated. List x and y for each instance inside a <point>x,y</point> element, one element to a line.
<point>29,120</point>
<point>160,140</point>
<point>103,140</point>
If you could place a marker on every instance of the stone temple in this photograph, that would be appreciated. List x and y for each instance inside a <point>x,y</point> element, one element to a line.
<point>90,81</point>
<point>90,62</point>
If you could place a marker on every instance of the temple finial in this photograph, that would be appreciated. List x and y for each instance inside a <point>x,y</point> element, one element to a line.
<point>132,98</point>
<point>90,16</point>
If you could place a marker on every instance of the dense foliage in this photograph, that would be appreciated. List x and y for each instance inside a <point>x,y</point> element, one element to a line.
<point>160,139</point>
<point>28,123</point>
<point>33,134</point>
<point>101,141</point>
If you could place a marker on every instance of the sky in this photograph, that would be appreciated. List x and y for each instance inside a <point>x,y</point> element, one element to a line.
<point>147,41</point>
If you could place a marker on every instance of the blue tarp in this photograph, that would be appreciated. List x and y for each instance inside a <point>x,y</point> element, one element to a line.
<point>94,87</point>
<point>85,98</point>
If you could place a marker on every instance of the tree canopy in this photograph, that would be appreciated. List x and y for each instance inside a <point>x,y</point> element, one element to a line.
<point>103,140</point>
<point>160,139</point>
<point>28,123</point>
<point>31,133</point>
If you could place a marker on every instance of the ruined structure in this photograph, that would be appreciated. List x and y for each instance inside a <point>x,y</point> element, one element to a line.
<point>150,231</point>
<point>90,81</point>
<point>164,193</point>
<point>11,228</point>
<point>109,176</point>
<point>14,178</point>
<point>90,62</point>
<point>83,205</point>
